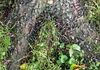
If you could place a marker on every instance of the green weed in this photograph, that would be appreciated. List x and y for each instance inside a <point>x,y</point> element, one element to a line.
<point>50,54</point>
<point>94,14</point>
<point>4,44</point>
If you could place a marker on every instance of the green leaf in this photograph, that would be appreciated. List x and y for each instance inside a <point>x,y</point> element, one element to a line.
<point>98,64</point>
<point>7,41</point>
<point>41,44</point>
<point>3,53</point>
<point>63,58</point>
<point>70,52</point>
<point>36,65</point>
<point>72,67</point>
<point>76,47</point>
<point>72,61</point>
<point>62,45</point>
<point>1,34</point>
<point>56,43</point>
<point>59,62</point>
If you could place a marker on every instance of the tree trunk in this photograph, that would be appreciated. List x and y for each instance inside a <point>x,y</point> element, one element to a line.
<point>69,17</point>
<point>26,12</point>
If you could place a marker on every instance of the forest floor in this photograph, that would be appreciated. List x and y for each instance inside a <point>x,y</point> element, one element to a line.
<point>56,45</point>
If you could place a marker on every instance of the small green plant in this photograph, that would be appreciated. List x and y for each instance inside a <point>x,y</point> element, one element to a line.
<point>94,14</point>
<point>4,44</point>
<point>46,54</point>
<point>93,65</point>
<point>2,67</point>
<point>4,41</point>
<point>94,10</point>
<point>43,48</point>
<point>51,54</point>
<point>73,57</point>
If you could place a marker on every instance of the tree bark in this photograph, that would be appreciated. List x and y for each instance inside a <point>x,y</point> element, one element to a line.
<point>69,17</point>
<point>26,12</point>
